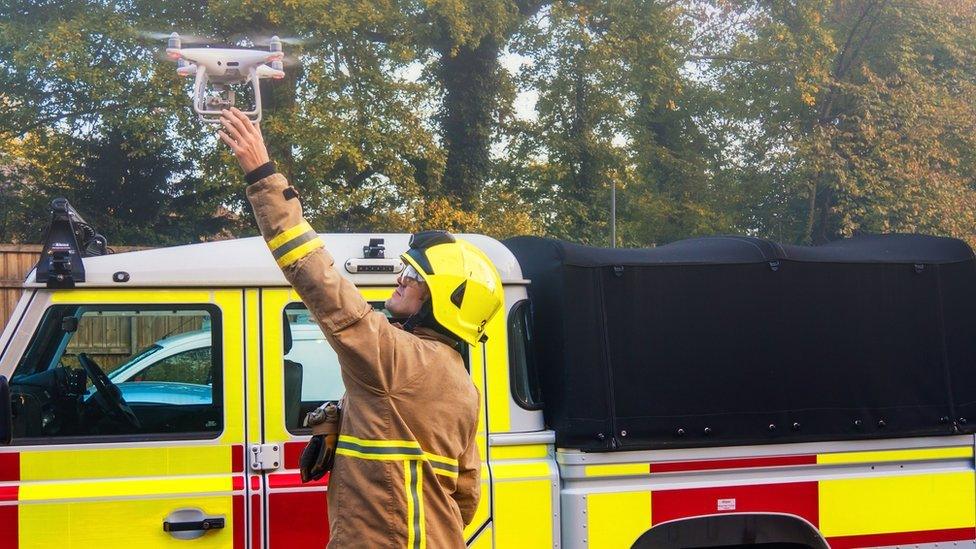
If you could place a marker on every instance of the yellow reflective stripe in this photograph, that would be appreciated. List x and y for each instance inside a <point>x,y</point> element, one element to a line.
<point>377,457</point>
<point>621,470</point>
<point>291,233</point>
<point>420,509</point>
<point>443,473</point>
<point>408,495</point>
<point>918,454</point>
<point>442,465</point>
<point>300,252</point>
<point>380,443</point>
<point>106,489</point>
<point>441,459</point>
<point>61,465</point>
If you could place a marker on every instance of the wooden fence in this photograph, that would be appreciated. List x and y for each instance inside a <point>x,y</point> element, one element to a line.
<point>16,260</point>
<point>114,338</point>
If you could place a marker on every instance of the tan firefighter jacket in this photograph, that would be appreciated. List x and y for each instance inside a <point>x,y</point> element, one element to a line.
<point>407,469</point>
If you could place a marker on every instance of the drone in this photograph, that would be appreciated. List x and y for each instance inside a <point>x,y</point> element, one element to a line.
<point>215,69</point>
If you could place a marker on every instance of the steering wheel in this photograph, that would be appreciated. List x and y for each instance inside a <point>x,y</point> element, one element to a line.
<point>107,394</point>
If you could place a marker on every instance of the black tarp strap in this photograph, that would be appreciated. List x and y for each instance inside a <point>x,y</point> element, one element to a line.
<point>612,441</point>
<point>953,419</point>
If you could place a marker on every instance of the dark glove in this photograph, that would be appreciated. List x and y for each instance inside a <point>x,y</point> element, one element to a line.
<point>317,458</point>
<point>319,453</point>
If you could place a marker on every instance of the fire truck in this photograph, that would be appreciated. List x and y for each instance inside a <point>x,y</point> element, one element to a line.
<point>713,392</point>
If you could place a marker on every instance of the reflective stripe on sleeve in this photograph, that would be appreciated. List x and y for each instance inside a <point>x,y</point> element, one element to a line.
<point>294,244</point>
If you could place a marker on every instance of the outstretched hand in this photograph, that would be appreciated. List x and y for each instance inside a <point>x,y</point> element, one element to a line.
<point>244,138</point>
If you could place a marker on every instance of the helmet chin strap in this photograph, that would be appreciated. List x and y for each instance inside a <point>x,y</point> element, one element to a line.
<point>424,318</point>
<point>420,318</point>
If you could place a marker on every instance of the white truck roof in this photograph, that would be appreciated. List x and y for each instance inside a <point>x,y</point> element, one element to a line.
<point>247,262</point>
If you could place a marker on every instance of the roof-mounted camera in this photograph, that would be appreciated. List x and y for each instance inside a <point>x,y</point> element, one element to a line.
<point>376,249</point>
<point>69,239</point>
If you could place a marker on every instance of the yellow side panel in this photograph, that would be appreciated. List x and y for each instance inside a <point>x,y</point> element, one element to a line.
<point>253,343</point>
<point>897,504</point>
<point>522,451</point>
<point>523,514</point>
<point>274,302</point>
<point>496,349</point>
<point>376,294</point>
<point>229,302</point>
<point>482,512</point>
<point>520,470</point>
<point>124,462</point>
<point>617,519</point>
<point>483,540</point>
<point>959,452</point>
<point>109,525</point>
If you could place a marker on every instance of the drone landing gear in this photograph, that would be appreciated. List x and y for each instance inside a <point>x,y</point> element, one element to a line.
<point>209,99</point>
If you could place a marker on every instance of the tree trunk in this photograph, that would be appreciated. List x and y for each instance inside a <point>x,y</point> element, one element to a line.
<point>471,82</point>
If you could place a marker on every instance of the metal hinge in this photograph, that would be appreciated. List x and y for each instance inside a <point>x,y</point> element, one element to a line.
<point>265,457</point>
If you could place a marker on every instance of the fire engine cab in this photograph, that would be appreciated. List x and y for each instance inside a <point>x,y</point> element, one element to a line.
<point>714,392</point>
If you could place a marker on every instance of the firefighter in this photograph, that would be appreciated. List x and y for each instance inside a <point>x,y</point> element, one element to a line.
<point>407,469</point>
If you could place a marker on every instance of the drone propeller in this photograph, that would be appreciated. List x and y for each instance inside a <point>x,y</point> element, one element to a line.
<point>264,40</point>
<point>187,39</point>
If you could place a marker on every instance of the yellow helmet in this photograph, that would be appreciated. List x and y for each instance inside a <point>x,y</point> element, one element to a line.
<point>465,289</point>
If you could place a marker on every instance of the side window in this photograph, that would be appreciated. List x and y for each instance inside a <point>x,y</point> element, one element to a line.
<point>311,367</point>
<point>193,366</point>
<point>120,371</point>
<point>521,357</point>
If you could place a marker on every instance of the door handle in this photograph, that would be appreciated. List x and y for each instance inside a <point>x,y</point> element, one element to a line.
<point>208,523</point>
<point>191,523</point>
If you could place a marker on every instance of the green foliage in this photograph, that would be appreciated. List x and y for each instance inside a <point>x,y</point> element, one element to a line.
<point>798,120</point>
<point>855,116</point>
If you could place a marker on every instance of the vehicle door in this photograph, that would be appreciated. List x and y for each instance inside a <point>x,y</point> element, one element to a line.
<point>153,460</point>
<point>300,371</point>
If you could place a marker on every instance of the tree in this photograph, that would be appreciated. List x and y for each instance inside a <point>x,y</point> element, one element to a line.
<point>853,116</point>
<point>616,109</point>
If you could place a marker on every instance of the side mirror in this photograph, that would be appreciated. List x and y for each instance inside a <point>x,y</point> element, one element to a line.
<point>6,415</point>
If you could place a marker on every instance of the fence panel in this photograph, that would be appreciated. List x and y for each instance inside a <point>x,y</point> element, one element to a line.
<point>16,260</point>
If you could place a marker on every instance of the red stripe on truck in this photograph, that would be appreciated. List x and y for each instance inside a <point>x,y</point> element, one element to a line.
<point>294,480</point>
<point>8,493</point>
<point>293,451</point>
<point>240,524</point>
<point>298,519</point>
<point>903,538</point>
<point>795,498</point>
<point>8,526</point>
<point>9,466</point>
<point>237,458</point>
<point>744,463</point>
<point>257,522</point>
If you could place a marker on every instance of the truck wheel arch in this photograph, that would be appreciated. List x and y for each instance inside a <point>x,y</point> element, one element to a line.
<point>733,529</point>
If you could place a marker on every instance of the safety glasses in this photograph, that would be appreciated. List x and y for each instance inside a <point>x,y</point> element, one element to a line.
<point>409,273</point>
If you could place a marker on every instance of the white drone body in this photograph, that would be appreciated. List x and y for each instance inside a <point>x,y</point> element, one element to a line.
<point>222,66</point>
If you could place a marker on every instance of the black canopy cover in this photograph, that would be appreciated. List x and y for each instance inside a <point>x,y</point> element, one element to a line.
<point>736,340</point>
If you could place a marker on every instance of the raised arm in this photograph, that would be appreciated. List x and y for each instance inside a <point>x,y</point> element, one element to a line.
<point>363,340</point>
